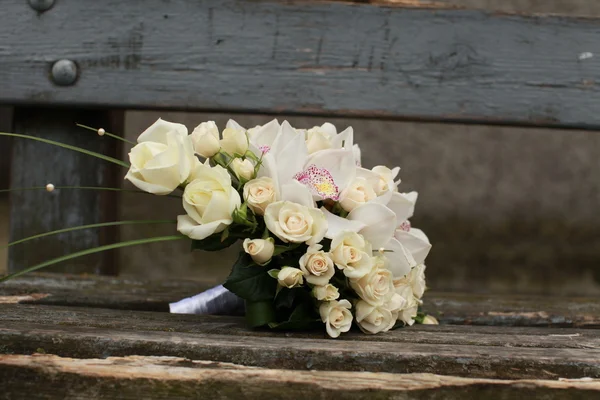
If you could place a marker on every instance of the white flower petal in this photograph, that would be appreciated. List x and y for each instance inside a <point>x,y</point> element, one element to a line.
<point>157,132</point>
<point>298,193</point>
<point>379,221</point>
<point>416,242</point>
<point>336,224</point>
<point>345,138</point>
<point>191,229</point>
<point>290,155</point>
<point>231,124</point>
<point>403,205</point>
<point>400,259</point>
<point>339,163</point>
<point>153,188</point>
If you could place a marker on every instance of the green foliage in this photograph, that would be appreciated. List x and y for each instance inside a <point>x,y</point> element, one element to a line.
<point>303,317</point>
<point>266,303</point>
<point>259,313</point>
<point>250,281</point>
<point>216,242</point>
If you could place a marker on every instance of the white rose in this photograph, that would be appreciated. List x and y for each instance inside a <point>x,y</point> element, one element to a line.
<point>415,279</point>
<point>429,320</point>
<point>234,141</point>
<point>295,223</point>
<point>326,293</point>
<point>357,193</point>
<point>260,250</point>
<point>163,158</point>
<point>352,254</point>
<point>209,201</point>
<point>410,306</point>
<point>243,169</point>
<point>375,287</point>
<point>386,179</point>
<point>317,266</point>
<point>374,319</point>
<point>259,193</point>
<point>290,277</point>
<point>317,139</point>
<point>336,316</point>
<point>205,138</point>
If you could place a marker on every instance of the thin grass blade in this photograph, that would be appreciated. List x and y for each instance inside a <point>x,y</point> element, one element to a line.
<point>99,225</point>
<point>67,146</point>
<point>92,251</point>
<point>86,188</point>
<point>112,135</point>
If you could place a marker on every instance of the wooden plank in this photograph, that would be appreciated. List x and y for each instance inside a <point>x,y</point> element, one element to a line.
<point>5,143</point>
<point>54,377</point>
<point>36,164</point>
<point>308,57</point>
<point>449,308</point>
<point>92,291</point>
<point>281,351</point>
<point>559,338</point>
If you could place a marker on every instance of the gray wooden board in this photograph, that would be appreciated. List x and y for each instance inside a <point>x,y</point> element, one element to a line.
<point>451,308</point>
<point>514,337</point>
<point>52,377</point>
<point>281,351</point>
<point>317,57</point>
<point>37,211</point>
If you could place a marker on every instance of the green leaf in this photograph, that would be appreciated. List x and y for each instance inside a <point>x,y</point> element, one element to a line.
<point>279,249</point>
<point>303,317</point>
<point>274,273</point>
<point>91,251</point>
<point>265,234</point>
<point>285,297</point>
<point>76,228</point>
<point>66,146</point>
<point>420,317</point>
<point>259,313</point>
<point>225,235</point>
<point>214,242</point>
<point>250,281</point>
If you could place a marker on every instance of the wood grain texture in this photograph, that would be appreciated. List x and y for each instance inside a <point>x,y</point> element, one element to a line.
<point>36,211</point>
<point>558,338</point>
<point>51,377</point>
<point>6,114</point>
<point>125,293</point>
<point>450,308</point>
<point>307,57</point>
<point>304,353</point>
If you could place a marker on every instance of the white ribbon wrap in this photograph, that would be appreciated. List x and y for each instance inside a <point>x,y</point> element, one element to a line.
<point>215,301</point>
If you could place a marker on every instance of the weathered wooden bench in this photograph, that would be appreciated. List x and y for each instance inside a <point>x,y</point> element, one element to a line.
<point>81,336</point>
<point>98,337</point>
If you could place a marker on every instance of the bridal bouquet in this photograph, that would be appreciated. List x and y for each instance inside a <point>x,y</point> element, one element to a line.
<point>325,240</point>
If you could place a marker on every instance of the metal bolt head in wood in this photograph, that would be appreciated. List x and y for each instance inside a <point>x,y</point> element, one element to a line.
<point>64,72</point>
<point>41,5</point>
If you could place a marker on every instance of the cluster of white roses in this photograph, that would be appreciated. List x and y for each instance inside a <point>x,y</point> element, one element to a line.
<point>305,187</point>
